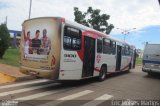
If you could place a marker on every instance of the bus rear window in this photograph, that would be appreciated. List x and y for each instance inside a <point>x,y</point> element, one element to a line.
<point>72,38</point>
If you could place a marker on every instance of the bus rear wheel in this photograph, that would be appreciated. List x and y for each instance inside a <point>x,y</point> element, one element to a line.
<point>129,67</point>
<point>102,74</point>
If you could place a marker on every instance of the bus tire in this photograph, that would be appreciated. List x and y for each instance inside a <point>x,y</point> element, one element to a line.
<point>102,74</point>
<point>150,73</point>
<point>129,67</point>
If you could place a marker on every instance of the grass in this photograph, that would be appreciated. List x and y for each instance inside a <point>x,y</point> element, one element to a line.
<point>11,57</point>
<point>138,61</point>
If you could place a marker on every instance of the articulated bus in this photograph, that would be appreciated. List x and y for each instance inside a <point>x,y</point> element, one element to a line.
<point>55,48</point>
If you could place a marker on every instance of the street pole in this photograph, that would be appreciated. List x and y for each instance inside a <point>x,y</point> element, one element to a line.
<point>124,37</point>
<point>30,7</point>
<point>126,32</point>
<point>6,20</point>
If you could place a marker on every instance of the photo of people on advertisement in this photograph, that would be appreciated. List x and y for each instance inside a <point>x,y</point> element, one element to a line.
<point>36,43</point>
<point>27,43</point>
<point>39,44</point>
<point>45,44</point>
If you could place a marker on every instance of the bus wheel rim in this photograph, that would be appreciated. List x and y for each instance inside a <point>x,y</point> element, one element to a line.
<point>103,74</point>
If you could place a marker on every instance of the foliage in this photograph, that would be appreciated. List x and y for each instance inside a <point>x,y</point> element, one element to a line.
<point>4,39</point>
<point>138,61</point>
<point>93,18</point>
<point>11,57</point>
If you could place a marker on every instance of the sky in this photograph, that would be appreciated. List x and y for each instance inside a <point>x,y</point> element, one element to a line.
<point>144,15</point>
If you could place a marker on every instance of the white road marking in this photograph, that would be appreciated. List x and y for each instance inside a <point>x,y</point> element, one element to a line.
<point>26,89</point>
<point>104,97</point>
<point>76,95</point>
<point>98,100</point>
<point>24,83</point>
<point>41,94</point>
<point>38,95</point>
<point>69,97</point>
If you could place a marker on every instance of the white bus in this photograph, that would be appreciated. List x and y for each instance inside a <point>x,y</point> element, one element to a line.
<point>151,58</point>
<point>55,48</point>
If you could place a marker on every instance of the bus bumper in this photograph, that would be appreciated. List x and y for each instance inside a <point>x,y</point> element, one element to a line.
<point>144,69</point>
<point>36,72</point>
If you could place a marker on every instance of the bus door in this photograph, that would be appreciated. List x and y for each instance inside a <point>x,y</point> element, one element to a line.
<point>119,57</point>
<point>89,56</point>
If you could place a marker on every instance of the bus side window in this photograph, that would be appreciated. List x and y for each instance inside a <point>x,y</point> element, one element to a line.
<point>67,42</point>
<point>106,46</point>
<point>113,46</point>
<point>72,38</point>
<point>123,50</point>
<point>99,46</point>
<point>127,51</point>
<point>131,52</point>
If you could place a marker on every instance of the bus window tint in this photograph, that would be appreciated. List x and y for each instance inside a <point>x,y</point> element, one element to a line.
<point>67,41</point>
<point>131,52</point>
<point>123,51</point>
<point>106,46</point>
<point>72,38</point>
<point>127,50</point>
<point>99,46</point>
<point>113,44</point>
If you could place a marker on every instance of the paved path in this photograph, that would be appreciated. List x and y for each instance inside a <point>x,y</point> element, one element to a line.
<point>10,73</point>
<point>128,87</point>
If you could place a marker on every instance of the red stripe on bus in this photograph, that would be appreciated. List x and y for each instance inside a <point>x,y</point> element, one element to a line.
<point>96,69</point>
<point>108,73</point>
<point>97,34</point>
<point>63,20</point>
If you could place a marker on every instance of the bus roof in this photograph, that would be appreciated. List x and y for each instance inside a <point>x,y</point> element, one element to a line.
<point>75,24</point>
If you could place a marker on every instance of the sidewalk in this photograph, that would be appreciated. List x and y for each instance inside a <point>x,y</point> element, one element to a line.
<point>11,74</point>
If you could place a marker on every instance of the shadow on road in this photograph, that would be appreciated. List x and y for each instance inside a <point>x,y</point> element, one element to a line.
<point>153,76</point>
<point>65,86</point>
<point>80,83</point>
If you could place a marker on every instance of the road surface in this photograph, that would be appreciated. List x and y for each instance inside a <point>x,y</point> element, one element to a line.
<point>134,87</point>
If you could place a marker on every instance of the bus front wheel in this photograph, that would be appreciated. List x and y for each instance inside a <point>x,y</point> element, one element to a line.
<point>102,74</point>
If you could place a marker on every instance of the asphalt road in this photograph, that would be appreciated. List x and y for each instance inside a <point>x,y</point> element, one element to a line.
<point>134,88</point>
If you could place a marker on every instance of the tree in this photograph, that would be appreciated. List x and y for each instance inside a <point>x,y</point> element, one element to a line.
<point>93,18</point>
<point>4,39</point>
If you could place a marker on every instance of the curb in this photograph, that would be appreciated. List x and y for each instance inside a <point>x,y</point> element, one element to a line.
<point>6,78</point>
<point>24,78</point>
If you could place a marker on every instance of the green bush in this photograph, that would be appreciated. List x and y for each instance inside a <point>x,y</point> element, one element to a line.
<point>4,39</point>
<point>11,57</point>
<point>138,61</point>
